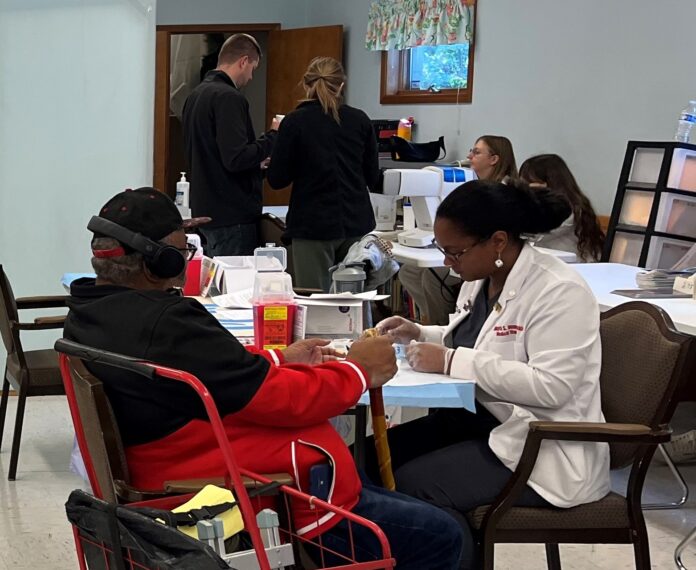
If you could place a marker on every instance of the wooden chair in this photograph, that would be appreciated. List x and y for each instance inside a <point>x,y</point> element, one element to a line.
<point>643,362</point>
<point>31,372</point>
<point>101,445</point>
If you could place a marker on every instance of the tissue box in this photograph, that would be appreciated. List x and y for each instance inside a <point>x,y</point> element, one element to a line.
<point>235,273</point>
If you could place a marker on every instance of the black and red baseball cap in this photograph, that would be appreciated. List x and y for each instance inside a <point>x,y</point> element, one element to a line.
<point>147,211</point>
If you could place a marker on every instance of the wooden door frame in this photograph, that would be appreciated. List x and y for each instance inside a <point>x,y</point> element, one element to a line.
<point>163,48</point>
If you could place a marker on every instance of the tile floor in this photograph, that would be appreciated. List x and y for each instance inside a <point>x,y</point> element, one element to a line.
<point>34,533</point>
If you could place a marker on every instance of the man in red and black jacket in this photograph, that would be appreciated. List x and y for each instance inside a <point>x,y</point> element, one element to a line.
<point>275,404</point>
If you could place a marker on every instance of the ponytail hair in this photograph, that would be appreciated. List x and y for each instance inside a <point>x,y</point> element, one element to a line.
<point>323,81</point>
<point>480,208</point>
<point>551,169</point>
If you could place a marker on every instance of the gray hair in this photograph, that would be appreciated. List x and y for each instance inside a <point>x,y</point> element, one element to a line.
<point>122,270</point>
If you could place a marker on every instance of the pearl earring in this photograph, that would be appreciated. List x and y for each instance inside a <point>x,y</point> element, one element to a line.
<point>499,262</point>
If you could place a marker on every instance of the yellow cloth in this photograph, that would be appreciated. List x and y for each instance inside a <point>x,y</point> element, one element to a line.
<point>209,496</point>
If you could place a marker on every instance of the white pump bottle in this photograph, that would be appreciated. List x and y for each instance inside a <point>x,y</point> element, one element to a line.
<point>182,191</point>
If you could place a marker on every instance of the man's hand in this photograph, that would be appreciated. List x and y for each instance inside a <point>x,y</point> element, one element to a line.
<point>265,163</point>
<point>310,351</point>
<point>275,123</point>
<point>426,357</point>
<point>400,330</point>
<point>376,356</point>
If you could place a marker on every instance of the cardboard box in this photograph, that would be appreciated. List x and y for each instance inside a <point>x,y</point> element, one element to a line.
<point>332,318</point>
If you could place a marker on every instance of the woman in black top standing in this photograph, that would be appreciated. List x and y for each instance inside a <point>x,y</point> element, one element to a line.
<point>328,151</point>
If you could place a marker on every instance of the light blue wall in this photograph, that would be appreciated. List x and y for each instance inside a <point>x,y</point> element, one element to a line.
<point>575,78</point>
<point>290,13</point>
<point>76,121</point>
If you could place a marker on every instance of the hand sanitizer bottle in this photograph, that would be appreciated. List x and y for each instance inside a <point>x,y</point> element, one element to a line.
<point>182,192</point>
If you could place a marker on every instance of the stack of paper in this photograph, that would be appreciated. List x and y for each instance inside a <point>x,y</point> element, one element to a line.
<point>238,322</point>
<point>659,278</point>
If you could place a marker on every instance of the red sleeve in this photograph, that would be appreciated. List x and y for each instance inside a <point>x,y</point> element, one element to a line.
<point>273,356</point>
<point>300,395</point>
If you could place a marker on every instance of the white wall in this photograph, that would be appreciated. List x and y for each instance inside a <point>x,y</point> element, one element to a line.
<point>575,78</point>
<point>76,120</point>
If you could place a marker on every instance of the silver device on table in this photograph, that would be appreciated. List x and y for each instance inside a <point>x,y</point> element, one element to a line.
<point>426,188</point>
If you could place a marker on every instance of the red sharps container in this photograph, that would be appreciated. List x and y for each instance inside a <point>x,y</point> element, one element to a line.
<point>273,299</point>
<point>192,286</point>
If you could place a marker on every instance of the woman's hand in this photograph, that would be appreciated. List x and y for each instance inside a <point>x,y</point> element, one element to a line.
<point>426,357</point>
<point>310,351</point>
<point>400,330</point>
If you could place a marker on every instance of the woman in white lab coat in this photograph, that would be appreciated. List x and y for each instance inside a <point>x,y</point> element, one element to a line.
<point>526,329</point>
<point>433,289</point>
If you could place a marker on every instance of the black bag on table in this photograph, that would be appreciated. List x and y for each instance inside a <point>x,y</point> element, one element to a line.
<point>407,151</point>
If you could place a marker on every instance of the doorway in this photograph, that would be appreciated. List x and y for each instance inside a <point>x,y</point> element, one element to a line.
<point>183,53</point>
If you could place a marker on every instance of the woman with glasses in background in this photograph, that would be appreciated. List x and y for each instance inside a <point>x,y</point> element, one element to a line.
<point>492,158</point>
<point>580,233</point>
<point>526,330</point>
<point>434,290</point>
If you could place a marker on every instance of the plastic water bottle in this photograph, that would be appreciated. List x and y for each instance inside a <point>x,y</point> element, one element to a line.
<point>405,128</point>
<point>273,299</point>
<point>687,119</point>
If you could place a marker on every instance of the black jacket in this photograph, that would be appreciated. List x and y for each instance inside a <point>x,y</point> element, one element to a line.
<point>331,166</point>
<point>170,330</point>
<point>223,153</point>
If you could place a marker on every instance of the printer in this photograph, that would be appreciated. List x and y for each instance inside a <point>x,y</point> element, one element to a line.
<point>426,188</point>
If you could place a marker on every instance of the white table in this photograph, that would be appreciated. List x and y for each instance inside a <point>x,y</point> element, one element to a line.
<point>606,277</point>
<point>431,257</point>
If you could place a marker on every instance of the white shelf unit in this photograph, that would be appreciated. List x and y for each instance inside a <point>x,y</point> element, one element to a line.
<point>653,222</point>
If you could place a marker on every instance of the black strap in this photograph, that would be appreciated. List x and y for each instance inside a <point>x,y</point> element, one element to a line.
<point>190,518</point>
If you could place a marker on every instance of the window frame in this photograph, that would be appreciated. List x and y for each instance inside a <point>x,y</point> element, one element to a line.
<point>394,81</point>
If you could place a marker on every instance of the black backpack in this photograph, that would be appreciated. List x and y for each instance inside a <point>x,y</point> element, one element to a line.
<point>113,535</point>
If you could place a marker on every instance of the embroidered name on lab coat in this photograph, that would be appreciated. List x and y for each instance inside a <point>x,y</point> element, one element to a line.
<point>507,330</point>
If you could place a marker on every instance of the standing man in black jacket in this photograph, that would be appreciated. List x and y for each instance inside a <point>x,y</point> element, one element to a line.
<point>223,152</point>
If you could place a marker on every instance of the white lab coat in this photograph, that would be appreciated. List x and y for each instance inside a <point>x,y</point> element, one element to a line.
<point>538,358</point>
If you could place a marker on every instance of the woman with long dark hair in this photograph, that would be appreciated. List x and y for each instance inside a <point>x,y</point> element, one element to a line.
<point>580,233</point>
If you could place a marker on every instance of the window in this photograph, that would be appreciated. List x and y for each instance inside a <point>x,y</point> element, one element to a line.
<point>428,74</point>
<point>438,67</point>
<point>427,49</point>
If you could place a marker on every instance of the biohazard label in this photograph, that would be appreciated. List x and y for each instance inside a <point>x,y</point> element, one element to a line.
<point>275,313</point>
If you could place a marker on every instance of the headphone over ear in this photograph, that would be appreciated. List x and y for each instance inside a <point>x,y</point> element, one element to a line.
<point>164,261</point>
